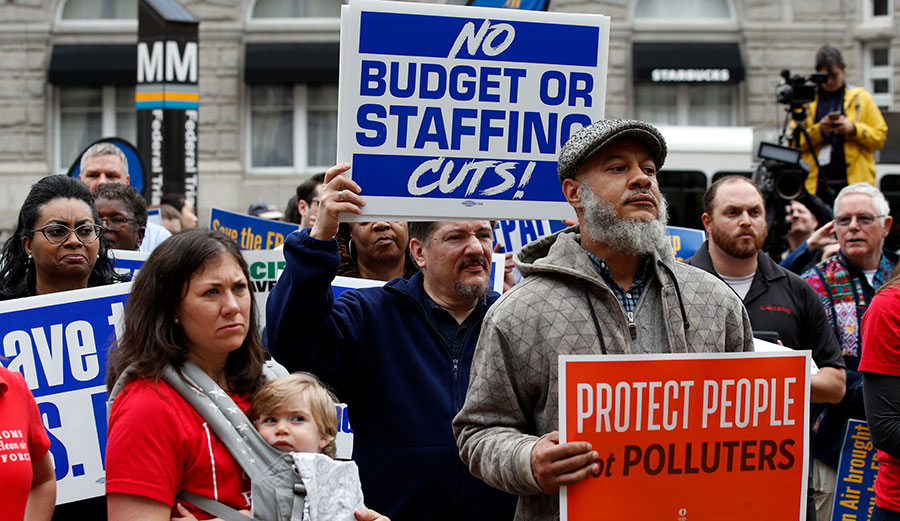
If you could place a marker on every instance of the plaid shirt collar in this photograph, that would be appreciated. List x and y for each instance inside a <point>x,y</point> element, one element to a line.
<point>628,299</point>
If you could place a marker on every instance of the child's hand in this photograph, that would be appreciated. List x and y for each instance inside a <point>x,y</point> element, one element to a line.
<point>185,514</point>
<point>367,514</point>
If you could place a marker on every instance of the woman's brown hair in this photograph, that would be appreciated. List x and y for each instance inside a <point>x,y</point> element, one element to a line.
<point>893,280</point>
<point>152,340</point>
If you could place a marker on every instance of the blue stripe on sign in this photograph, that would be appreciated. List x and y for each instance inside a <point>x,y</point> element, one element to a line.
<point>433,36</point>
<point>389,176</point>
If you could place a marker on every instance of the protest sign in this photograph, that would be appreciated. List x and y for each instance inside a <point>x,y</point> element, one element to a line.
<point>512,235</point>
<point>250,233</point>
<point>58,342</point>
<point>127,262</point>
<point>153,216</point>
<point>449,112</point>
<point>498,271</point>
<point>685,241</point>
<point>854,495</point>
<point>712,436</point>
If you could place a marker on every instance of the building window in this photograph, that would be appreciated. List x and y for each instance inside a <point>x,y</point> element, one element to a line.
<point>877,8</point>
<point>674,10</point>
<point>296,9</point>
<point>99,10</point>
<point>87,114</point>
<point>685,104</point>
<point>878,73</point>
<point>293,127</point>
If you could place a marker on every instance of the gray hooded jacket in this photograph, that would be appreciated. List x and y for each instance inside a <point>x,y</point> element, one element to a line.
<point>512,398</point>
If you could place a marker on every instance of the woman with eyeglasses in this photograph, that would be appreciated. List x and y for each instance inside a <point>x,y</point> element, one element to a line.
<point>56,245</point>
<point>123,214</point>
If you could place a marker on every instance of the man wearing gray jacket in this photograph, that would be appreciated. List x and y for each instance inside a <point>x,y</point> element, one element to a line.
<point>609,285</point>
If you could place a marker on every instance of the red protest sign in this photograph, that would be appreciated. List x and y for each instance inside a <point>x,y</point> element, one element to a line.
<point>688,437</point>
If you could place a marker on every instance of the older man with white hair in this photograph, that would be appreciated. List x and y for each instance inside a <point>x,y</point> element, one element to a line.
<point>846,284</point>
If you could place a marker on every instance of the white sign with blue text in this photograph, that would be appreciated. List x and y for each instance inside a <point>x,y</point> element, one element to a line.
<point>58,342</point>
<point>450,112</point>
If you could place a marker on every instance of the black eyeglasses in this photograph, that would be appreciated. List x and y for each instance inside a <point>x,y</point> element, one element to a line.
<point>115,222</point>
<point>59,233</point>
<point>863,220</point>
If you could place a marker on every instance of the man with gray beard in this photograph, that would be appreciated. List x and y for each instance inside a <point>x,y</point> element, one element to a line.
<point>607,286</point>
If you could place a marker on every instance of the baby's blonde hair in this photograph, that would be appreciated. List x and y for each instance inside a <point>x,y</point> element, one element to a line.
<point>276,393</point>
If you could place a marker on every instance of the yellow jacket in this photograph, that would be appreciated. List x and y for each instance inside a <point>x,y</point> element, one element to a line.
<point>871,131</point>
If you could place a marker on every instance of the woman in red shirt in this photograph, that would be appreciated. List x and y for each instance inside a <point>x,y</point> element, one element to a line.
<point>880,366</point>
<point>191,301</point>
<point>27,480</point>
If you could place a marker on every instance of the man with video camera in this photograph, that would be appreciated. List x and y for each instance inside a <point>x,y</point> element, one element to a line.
<point>845,127</point>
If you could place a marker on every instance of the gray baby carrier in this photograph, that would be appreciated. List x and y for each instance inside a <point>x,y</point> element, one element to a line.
<point>277,491</point>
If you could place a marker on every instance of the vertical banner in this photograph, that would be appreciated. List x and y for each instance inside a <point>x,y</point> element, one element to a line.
<point>688,437</point>
<point>458,112</point>
<point>58,342</point>
<point>854,495</point>
<point>167,98</point>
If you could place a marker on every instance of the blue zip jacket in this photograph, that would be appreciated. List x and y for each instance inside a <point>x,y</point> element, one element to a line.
<point>380,350</point>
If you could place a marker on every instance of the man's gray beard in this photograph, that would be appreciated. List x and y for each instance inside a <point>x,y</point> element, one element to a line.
<point>626,236</point>
<point>472,291</point>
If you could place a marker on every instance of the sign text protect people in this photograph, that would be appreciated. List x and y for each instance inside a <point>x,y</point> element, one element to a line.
<point>713,436</point>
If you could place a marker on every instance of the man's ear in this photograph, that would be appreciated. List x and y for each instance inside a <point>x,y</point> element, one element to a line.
<point>571,190</point>
<point>302,207</point>
<point>417,250</point>
<point>707,221</point>
<point>140,236</point>
<point>888,221</point>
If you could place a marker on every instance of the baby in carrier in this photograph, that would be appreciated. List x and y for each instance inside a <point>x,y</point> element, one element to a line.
<point>296,413</point>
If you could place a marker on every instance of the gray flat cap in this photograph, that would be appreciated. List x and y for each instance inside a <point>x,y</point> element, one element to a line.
<point>587,141</point>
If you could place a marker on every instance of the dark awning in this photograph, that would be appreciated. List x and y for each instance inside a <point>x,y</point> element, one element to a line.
<point>291,63</point>
<point>688,63</point>
<point>93,65</point>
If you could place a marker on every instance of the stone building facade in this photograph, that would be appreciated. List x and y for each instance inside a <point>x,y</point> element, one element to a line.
<point>247,91</point>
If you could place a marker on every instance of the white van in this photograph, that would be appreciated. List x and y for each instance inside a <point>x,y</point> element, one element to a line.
<point>697,157</point>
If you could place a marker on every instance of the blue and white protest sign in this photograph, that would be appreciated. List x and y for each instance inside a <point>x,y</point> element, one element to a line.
<point>58,342</point>
<point>250,233</point>
<point>153,216</point>
<point>449,112</point>
<point>854,494</point>
<point>512,235</point>
<point>127,262</point>
<point>685,241</point>
<point>498,271</point>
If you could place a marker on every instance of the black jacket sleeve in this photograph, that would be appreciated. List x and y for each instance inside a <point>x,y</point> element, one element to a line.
<point>882,397</point>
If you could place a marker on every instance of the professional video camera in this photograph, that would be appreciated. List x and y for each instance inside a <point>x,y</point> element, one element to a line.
<point>796,90</point>
<point>781,173</point>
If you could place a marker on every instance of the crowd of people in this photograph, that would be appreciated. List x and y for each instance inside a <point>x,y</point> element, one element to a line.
<point>453,388</point>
